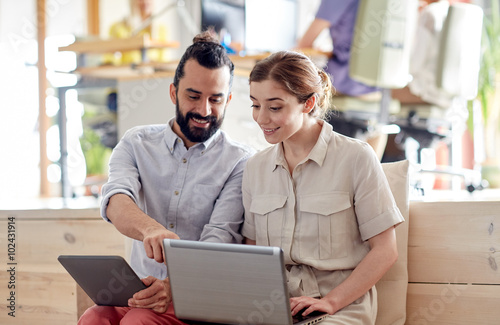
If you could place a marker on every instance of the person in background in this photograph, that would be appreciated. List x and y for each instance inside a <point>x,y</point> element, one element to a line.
<point>424,63</point>
<point>339,16</point>
<point>140,11</point>
<point>176,180</point>
<point>320,196</point>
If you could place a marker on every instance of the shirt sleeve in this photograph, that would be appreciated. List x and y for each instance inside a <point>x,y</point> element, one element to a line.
<point>227,216</point>
<point>123,175</point>
<point>332,10</point>
<point>375,207</point>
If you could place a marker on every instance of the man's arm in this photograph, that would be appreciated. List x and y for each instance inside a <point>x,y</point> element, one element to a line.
<point>312,33</point>
<point>134,223</point>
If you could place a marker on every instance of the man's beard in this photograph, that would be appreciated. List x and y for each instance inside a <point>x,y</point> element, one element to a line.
<point>195,134</point>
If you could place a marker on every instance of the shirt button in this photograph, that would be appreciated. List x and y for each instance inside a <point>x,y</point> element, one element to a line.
<point>184,160</point>
<point>176,192</point>
<point>178,140</point>
<point>171,225</point>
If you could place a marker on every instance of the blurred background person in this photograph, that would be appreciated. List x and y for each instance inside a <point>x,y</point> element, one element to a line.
<point>140,11</point>
<point>339,16</point>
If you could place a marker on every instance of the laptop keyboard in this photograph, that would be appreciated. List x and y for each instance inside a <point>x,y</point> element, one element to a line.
<point>299,318</point>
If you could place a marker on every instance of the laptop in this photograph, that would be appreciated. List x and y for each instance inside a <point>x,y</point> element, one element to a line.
<point>229,284</point>
<point>107,280</point>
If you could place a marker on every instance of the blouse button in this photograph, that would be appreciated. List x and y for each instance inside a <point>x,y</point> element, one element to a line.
<point>176,192</point>
<point>171,225</point>
<point>184,160</point>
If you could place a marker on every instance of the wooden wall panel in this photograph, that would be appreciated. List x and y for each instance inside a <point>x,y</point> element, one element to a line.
<point>452,304</point>
<point>42,298</point>
<point>45,293</point>
<point>454,242</point>
<point>42,241</point>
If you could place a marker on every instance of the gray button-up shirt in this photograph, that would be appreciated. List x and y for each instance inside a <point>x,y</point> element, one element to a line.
<point>195,193</point>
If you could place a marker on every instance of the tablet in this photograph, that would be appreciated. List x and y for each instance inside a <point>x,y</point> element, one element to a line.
<point>107,280</point>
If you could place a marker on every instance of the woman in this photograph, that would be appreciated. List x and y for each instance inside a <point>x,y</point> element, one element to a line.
<point>320,196</point>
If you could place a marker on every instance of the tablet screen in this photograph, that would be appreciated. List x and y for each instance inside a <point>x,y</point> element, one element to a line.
<point>107,280</point>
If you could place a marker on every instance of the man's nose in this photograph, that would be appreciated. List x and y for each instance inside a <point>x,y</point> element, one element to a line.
<point>205,108</point>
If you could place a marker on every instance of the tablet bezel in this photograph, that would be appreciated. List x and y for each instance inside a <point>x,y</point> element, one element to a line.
<point>107,279</point>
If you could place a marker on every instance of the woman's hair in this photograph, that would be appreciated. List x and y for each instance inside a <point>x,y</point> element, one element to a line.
<point>298,75</point>
<point>208,52</point>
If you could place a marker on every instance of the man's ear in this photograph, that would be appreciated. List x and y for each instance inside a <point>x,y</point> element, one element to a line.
<point>173,94</point>
<point>309,104</point>
<point>229,97</point>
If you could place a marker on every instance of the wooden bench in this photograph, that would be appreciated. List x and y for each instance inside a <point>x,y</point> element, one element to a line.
<point>453,262</point>
<point>44,292</point>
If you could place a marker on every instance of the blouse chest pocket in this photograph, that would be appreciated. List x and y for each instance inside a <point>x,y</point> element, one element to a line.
<point>268,212</point>
<point>322,226</point>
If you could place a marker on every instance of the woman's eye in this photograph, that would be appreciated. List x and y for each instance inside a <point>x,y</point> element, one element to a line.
<point>274,108</point>
<point>254,106</point>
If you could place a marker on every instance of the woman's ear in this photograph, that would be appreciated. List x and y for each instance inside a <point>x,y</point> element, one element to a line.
<point>309,104</point>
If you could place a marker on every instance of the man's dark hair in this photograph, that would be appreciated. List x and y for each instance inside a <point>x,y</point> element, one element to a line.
<point>209,53</point>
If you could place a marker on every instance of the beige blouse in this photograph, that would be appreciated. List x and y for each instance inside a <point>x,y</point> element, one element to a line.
<point>323,216</point>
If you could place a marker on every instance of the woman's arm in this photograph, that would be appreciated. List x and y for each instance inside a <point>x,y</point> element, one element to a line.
<point>382,255</point>
<point>248,241</point>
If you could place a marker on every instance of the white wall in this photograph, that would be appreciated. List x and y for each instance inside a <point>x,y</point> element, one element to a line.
<point>114,10</point>
<point>19,139</point>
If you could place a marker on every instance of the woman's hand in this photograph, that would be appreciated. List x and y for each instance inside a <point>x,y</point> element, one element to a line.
<point>309,304</point>
<point>156,296</point>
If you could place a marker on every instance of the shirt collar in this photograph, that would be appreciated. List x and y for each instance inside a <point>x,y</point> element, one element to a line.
<point>317,154</point>
<point>172,139</point>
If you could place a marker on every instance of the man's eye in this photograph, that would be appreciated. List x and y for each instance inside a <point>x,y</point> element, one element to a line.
<point>194,97</point>
<point>255,106</point>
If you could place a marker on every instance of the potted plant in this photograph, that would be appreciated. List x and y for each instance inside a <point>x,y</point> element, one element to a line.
<point>489,93</point>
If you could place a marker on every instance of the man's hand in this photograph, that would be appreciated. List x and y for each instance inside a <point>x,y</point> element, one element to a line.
<point>134,223</point>
<point>153,242</point>
<point>156,297</point>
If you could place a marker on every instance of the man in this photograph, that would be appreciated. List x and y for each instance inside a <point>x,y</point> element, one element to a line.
<point>180,180</point>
